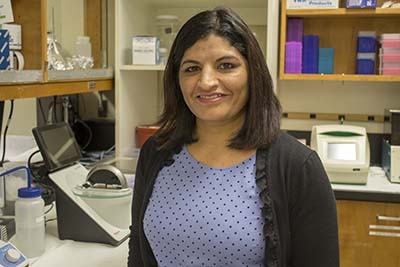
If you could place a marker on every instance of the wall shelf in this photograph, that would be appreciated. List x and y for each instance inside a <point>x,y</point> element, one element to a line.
<point>338,29</point>
<point>15,91</point>
<point>340,77</point>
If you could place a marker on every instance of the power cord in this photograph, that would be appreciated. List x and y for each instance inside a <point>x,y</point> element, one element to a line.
<point>5,132</point>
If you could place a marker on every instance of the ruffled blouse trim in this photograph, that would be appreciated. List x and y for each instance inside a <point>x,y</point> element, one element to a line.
<point>270,227</point>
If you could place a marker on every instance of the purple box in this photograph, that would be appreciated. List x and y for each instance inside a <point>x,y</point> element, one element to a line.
<point>294,30</point>
<point>293,57</point>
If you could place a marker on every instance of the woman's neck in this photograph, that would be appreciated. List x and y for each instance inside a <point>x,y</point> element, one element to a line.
<point>212,147</point>
<point>216,135</point>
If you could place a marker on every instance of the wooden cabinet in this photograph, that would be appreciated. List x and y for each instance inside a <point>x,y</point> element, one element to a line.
<point>369,233</point>
<point>138,87</point>
<point>338,29</point>
<point>34,80</point>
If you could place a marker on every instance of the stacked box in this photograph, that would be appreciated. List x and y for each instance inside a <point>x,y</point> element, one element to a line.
<point>294,30</point>
<point>389,54</point>
<point>293,57</point>
<point>325,60</point>
<point>366,47</point>
<point>4,50</point>
<point>310,54</point>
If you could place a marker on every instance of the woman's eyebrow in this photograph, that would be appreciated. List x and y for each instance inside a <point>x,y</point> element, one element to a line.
<point>227,58</point>
<point>192,61</point>
<point>189,61</point>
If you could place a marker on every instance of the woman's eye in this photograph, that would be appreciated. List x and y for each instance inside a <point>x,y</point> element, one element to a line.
<point>226,66</point>
<point>191,69</point>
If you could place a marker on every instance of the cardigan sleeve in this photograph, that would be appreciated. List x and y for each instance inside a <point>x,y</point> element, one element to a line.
<point>313,218</point>
<point>135,255</point>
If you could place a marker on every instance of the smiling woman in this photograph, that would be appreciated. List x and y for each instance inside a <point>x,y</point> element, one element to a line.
<point>213,80</point>
<point>219,184</point>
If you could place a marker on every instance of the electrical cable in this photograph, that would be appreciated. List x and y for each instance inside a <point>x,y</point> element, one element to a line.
<point>42,110</point>
<point>89,131</point>
<point>5,132</point>
<point>50,208</point>
<point>55,108</point>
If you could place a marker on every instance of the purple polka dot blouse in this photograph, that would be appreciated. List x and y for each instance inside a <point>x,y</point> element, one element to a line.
<point>204,216</point>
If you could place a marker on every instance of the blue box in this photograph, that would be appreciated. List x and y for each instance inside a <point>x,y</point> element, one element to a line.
<point>310,54</point>
<point>365,66</point>
<point>325,60</point>
<point>4,50</point>
<point>366,44</point>
<point>361,4</point>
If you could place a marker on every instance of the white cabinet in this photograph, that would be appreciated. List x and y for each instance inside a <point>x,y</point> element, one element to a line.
<point>138,89</point>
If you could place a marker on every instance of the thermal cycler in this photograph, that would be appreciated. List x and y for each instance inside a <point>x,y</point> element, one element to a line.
<point>344,151</point>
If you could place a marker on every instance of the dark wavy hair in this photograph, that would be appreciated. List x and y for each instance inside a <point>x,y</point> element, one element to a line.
<point>262,111</point>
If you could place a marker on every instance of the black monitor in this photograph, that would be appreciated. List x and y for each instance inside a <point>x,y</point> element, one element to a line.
<point>57,145</point>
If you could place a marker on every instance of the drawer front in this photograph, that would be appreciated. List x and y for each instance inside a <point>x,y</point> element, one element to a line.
<point>369,233</point>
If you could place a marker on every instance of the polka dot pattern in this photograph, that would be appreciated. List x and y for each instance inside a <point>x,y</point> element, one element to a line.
<point>204,216</point>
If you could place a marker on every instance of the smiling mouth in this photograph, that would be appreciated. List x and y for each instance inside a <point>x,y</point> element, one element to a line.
<point>210,96</point>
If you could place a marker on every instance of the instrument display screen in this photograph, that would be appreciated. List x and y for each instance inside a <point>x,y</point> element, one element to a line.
<point>342,151</point>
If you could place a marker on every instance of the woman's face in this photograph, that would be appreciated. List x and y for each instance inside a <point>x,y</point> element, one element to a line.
<point>213,79</point>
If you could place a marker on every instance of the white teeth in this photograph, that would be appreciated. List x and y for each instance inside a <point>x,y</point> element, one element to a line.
<point>209,96</point>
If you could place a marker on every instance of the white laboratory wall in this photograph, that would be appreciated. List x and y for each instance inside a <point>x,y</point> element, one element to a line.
<point>24,116</point>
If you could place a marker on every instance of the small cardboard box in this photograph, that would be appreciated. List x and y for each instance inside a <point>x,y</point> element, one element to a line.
<point>4,50</point>
<point>15,35</point>
<point>145,50</point>
<point>307,4</point>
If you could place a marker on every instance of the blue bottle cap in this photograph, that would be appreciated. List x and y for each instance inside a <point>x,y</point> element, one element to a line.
<point>29,192</point>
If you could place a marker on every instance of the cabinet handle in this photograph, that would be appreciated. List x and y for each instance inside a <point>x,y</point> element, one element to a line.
<point>388,218</point>
<point>388,234</point>
<point>384,227</point>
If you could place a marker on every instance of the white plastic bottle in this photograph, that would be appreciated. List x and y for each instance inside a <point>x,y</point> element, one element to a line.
<point>83,47</point>
<point>29,222</point>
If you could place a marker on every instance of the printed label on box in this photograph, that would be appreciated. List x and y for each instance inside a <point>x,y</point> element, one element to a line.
<point>145,50</point>
<point>304,4</point>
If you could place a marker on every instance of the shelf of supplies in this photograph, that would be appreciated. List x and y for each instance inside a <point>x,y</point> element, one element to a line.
<point>143,67</point>
<point>340,12</point>
<point>28,90</point>
<point>340,77</point>
<point>56,75</point>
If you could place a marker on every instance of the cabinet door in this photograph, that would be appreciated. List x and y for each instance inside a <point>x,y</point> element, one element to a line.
<point>365,239</point>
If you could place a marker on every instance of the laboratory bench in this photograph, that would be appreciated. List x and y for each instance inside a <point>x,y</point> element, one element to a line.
<point>378,188</point>
<point>66,253</point>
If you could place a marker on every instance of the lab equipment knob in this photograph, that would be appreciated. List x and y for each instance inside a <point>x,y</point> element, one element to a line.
<point>12,255</point>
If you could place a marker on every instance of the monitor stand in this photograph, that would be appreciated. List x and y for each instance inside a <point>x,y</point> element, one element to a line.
<point>76,219</point>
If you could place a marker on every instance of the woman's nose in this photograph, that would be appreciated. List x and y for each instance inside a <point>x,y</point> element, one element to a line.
<point>208,78</point>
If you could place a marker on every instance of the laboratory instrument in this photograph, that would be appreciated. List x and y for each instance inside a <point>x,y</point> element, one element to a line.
<point>344,151</point>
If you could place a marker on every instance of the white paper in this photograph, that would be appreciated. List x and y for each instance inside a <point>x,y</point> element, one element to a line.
<point>6,14</point>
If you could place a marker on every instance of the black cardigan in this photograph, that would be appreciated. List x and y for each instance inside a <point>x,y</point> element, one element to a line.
<point>299,205</point>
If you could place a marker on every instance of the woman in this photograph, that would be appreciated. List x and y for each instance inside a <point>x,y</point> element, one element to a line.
<point>219,184</point>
